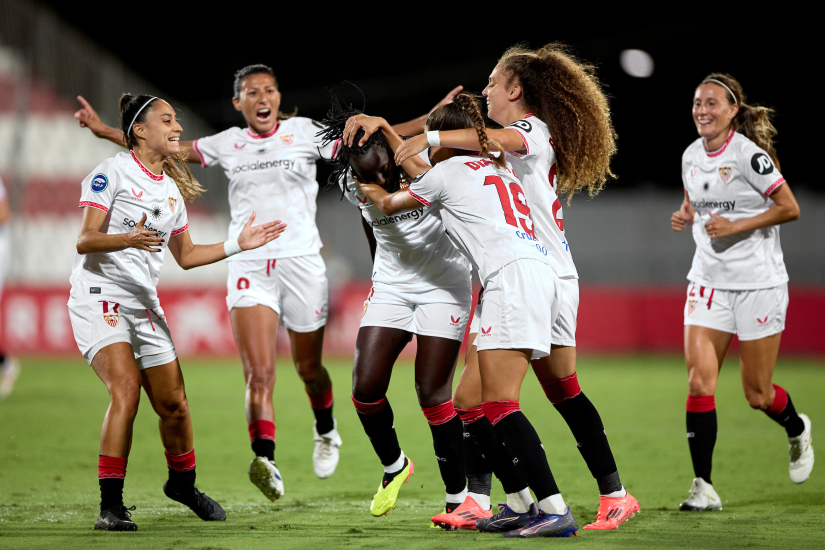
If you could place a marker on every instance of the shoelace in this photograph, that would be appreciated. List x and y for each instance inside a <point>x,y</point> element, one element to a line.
<point>325,451</point>
<point>126,513</point>
<point>796,449</point>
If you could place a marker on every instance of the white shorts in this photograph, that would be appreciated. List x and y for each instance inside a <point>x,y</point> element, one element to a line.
<point>750,314</point>
<point>564,330</point>
<point>295,288</point>
<point>437,312</point>
<point>520,307</point>
<point>99,324</point>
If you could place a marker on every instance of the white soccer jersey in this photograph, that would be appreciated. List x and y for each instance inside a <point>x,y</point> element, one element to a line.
<point>274,175</point>
<point>5,241</point>
<point>536,169</point>
<point>734,182</point>
<point>413,252</point>
<point>484,211</point>
<point>125,189</point>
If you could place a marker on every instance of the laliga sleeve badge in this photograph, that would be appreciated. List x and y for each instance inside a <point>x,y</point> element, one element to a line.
<point>725,174</point>
<point>99,183</point>
<point>762,164</point>
<point>522,125</point>
<point>172,203</point>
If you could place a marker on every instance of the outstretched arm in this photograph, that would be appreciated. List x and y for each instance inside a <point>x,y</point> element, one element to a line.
<point>388,203</point>
<point>416,125</point>
<point>466,139</point>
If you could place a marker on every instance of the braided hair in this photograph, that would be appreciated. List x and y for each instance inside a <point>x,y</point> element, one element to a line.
<point>463,112</point>
<point>335,122</point>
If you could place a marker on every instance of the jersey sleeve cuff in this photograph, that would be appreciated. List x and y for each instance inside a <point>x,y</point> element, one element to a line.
<point>200,155</point>
<point>84,204</point>
<point>422,200</point>
<point>181,230</point>
<point>774,187</point>
<point>523,140</point>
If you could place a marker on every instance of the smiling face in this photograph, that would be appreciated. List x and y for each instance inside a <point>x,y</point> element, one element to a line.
<point>160,132</point>
<point>374,166</point>
<point>259,101</point>
<point>499,95</point>
<point>712,112</point>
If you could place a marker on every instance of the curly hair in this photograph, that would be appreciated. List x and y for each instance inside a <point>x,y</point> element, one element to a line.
<point>335,122</point>
<point>752,121</point>
<point>565,93</point>
<point>463,112</point>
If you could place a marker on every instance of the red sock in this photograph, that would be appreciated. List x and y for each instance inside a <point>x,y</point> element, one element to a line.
<point>181,463</point>
<point>562,389</point>
<point>700,404</point>
<point>440,414</point>
<point>495,411</point>
<point>261,429</point>
<point>111,467</point>
<point>468,416</point>
<point>321,401</point>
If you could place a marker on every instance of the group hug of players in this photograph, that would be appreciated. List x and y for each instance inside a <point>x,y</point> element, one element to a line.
<point>454,195</point>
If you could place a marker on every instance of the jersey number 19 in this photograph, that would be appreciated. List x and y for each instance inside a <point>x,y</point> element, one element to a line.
<point>513,197</point>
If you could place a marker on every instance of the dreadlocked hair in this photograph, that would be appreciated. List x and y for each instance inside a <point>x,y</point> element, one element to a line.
<point>463,112</point>
<point>565,93</point>
<point>137,108</point>
<point>752,121</point>
<point>335,122</point>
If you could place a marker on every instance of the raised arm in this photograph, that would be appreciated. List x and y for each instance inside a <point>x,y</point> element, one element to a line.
<point>88,118</point>
<point>466,139</point>
<point>412,166</point>
<point>416,125</point>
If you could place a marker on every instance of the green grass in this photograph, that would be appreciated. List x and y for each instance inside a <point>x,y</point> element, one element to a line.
<point>49,431</point>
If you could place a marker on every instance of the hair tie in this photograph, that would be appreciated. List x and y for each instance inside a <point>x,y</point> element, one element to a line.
<point>136,115</point>
<point>725,86</point>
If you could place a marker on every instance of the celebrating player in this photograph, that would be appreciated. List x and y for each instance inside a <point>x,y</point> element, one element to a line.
<point>557,132</point>
<point>133,209</point>
<point>738,283</point>
<point>421,286</point>
<point>9,369</point>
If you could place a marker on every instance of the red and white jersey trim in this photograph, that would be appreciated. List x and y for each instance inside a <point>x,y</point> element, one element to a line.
<point>181,230</point>
<point>146,170</point>
<point>774,186</point>
<point>198,151</point>
<point>266,135</point>
<point>84,204</point>
<point>523,139</point>
<point>419,199</point>
<point>725,146</point>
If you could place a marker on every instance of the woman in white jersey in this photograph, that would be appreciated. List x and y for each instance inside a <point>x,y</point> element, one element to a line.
<point>557,131</point>
<point>735,198</point>
<point>9,369</point>
<point>487,217</point>
<point>422,287</point>
<point>133,209</point>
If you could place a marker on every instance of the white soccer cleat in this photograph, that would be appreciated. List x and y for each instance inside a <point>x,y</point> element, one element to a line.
<point>8,376</point>
<point>702,498</point>
<point>265,476</point>
<point>801,453</point>
<point>325,456</point>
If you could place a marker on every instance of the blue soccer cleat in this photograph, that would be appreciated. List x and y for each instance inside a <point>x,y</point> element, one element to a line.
<point>507,520</point>
<point>547,525</point>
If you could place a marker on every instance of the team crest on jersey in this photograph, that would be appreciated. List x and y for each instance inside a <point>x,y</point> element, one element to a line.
<point>287,139</point>
<point>112,318</point>
<point>172,203</point>
<point>366,303</point>
<point>725,174</point>
<point>692,306</point>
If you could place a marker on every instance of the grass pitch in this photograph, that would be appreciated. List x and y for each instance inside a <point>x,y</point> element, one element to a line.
<point>49,430</point>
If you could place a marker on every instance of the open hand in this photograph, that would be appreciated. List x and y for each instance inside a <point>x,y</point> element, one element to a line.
<point>681,218</point>
<point>449,97</point>
<point>254,237</point>
<point>719,227</point>
<point>143,239</point>
<point>369,124</point>
<point>410,148</point>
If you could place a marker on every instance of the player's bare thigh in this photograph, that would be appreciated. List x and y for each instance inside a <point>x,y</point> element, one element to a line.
<point>757,359</point>
<point>705,349</point>
<point>468,390</point>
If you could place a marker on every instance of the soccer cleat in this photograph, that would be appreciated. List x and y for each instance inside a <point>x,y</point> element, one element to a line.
<point>203,506</point>
<point>547,525</point>
<point>118,518</point>
<point>507,520</point>
<point>265,476</point>
<point>384,499</point>
<point>613,511</point>
<point>801,453</point>
<point>702,498</point>
<point>8,376</point>
<point>325,457</point>
<point>463,517</point>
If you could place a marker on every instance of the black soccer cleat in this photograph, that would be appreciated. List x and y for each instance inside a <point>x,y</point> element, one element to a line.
<point>203,506</point>
<point>118,518</point>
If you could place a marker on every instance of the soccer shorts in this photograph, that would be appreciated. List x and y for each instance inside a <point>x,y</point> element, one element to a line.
<point>750,314</point>
<point>441,312</point>
<point>520,305</point>
<point>295,288</point>
<point>99,324</point>
<point>564,330</point>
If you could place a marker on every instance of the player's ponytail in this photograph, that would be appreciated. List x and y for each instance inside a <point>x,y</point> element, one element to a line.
<point>565,93</point>
<point>461,113</point>
<point>134,110</point>
<point>752,121</point>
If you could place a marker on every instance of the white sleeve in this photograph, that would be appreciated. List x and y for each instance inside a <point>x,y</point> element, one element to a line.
<point>427,188</point>
<point>532,138</point>
<point>351,191</point>
<point>100,188</point>
<point>181,219</point>
<point>758,169</point>
<point>208,148</point>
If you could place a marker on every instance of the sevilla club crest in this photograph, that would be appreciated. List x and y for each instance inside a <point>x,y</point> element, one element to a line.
<point>172,203</point>
<point>112,318</point>
<point>287,139</point>
<point>725,174</point>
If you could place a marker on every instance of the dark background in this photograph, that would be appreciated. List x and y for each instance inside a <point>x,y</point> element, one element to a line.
<point>406,63</point>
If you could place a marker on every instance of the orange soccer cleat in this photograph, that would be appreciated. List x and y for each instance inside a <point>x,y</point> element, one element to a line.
<point>613,511</point>
<point>463,517</point>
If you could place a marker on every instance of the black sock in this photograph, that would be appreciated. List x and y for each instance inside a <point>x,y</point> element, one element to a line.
<point>323,420</point>
<point>111,493</point>
<point>449,451</point>
<point>525,446</point>
<point>496,455</point>
<point>789,420</point>
<point>182,480</point>
<point>701,433</point>
<point>379,428</point>
<point>264,448</point>
<point>584,421</point>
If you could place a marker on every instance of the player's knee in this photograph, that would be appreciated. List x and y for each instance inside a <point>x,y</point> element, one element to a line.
<point>174,407</point>
<point>309,369</point>
<point>430,395</point>
<point>126,397</point>
<point>260,378</point>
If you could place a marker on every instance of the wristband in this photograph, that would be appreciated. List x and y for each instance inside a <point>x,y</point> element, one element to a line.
<point>231,247</point>
<point>432,139</point>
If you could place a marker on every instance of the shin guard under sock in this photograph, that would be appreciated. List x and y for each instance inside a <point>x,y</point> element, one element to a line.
<point>262,436</point>
<point>524,445</point>
<point>701,433</point>
<point>111,472</point>
<point>783,413</point>
<point>319,391</point>
<point>448,434</point>
<point>477,469</point>
<point>181,469</point>
<point>377,420</point>
<point>495,453</point>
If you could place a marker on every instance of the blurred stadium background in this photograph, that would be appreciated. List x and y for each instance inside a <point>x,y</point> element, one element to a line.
<point>632,265</point>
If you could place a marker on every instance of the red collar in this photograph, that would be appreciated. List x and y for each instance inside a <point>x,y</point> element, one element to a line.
<point>266,135</point>
<point>722,148</point>
<point>146,170</point>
